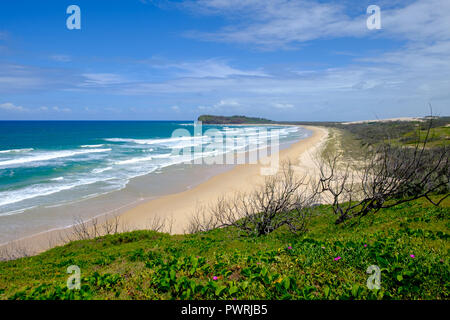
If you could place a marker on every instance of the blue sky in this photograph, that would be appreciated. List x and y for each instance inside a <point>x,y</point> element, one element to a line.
<point>280,59</point>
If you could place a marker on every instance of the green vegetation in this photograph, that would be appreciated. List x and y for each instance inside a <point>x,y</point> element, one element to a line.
<point>408,242</point>
<point>342,141</point>
<point>400,132</point>
<point>438,137</point>
<point>389,170</point>
<point>209,119</point>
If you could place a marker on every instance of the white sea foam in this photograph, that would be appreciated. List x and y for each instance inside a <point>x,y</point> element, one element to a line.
<point>92,146</point>
<point>38,190</point>
<point>143,159</point>
<point>100,170</point>
<point>49,156</point>
<point>163,141</point>
<point>17,150</point>
<point>119,140</point>
<point>133,160</point>
<point>164,155</point>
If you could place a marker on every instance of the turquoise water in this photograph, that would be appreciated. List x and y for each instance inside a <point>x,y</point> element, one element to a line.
<point>51,163</point>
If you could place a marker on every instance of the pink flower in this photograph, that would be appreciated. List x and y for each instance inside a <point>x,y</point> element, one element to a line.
<point>365,245</point>
<point>337,258</point>
<point>289,248</point>
<point>215,278</point>
<point>412,256</point>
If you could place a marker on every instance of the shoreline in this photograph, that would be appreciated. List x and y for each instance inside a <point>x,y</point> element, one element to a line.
<point>181,205</point>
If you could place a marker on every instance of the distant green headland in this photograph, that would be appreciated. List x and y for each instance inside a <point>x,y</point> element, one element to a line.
<point>210,119</point>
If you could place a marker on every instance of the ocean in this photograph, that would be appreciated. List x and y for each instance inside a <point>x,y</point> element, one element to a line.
<point>52,171</point>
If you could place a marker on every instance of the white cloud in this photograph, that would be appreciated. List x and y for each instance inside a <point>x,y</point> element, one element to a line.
<point>54,109</point>
<point>222,105</point>
<point>61,58</point>
<point>419,21</point>
<point>282,23</point>
<point>102,79</point>
<point>26,78</point>
<point>211,68</point>
<point>16,77</point>
<point>395,82</point>
<point>276,23</point>
<point>283,105</point>
<point>58,109</point>
<point>8,106</point>
<point>227,103</point>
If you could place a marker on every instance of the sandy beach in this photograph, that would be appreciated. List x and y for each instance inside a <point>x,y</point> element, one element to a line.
<point>180,207</point>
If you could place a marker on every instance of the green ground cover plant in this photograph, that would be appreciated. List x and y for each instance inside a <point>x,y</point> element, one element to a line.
<point>409,243</point>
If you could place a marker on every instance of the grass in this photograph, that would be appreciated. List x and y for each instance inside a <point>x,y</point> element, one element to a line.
<point>438,137</point>
<point>221,265</point>
<point>344,142</point>
<point>398,132</point>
